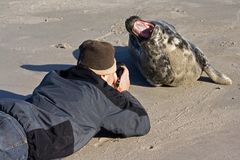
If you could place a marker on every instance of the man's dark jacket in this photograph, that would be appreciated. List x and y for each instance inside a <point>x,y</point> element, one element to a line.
<point>69,107</point>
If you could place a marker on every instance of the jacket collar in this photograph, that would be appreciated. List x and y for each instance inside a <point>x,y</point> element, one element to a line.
<point>82,73</point>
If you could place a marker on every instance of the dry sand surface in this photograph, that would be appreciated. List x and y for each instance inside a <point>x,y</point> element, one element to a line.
<point>197,122</point>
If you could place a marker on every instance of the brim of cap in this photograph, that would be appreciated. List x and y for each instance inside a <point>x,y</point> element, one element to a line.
<point>106,71</point>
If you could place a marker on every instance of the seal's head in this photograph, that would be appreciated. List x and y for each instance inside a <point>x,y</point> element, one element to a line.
<point>139,28</point>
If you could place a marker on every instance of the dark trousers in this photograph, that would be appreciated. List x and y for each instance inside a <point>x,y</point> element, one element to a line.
<point>13,141</point>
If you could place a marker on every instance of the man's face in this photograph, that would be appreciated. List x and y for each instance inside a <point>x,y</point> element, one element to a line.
<point>111,79</point>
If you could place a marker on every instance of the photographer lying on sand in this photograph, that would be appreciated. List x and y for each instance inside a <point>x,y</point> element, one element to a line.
<point>70,106</point>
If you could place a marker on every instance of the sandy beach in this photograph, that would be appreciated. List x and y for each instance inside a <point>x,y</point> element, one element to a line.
<point>197,122</point>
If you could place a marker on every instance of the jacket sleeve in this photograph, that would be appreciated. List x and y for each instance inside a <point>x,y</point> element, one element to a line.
<point>130,120</point>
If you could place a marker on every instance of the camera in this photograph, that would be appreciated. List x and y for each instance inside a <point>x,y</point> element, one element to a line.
<point>119,71</point>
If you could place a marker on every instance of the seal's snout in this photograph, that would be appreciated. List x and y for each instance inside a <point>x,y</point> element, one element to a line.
<point>129,23</point>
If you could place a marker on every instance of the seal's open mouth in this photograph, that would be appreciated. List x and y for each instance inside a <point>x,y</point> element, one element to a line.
<point>142,29</point>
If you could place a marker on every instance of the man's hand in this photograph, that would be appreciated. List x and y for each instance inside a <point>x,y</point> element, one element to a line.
<point>123,83</point>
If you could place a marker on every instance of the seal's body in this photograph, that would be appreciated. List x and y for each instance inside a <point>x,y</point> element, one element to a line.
<point>164,57</point>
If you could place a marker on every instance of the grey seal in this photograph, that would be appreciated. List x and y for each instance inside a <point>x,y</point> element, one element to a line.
<point>164,57</point>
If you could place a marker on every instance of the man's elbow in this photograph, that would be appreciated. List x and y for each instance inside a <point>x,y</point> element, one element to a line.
<point>148,127</point>
<point>144,127</point>
<point>137,127</point>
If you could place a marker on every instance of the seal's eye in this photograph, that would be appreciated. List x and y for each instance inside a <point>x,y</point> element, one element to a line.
<point>168,31</point>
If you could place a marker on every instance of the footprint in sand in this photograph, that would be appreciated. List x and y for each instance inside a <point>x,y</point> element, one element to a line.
<point>178,11</point>
<point>62,46</point>
<point>102,141</point>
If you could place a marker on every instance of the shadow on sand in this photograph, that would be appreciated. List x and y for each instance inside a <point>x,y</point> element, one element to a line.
<point>205,79</point>
<point>45,67</point>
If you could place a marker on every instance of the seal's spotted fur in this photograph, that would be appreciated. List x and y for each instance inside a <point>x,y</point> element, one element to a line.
<point>165,57</point>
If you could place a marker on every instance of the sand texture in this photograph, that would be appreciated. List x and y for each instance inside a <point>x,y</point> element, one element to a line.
<point>197,122</point>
